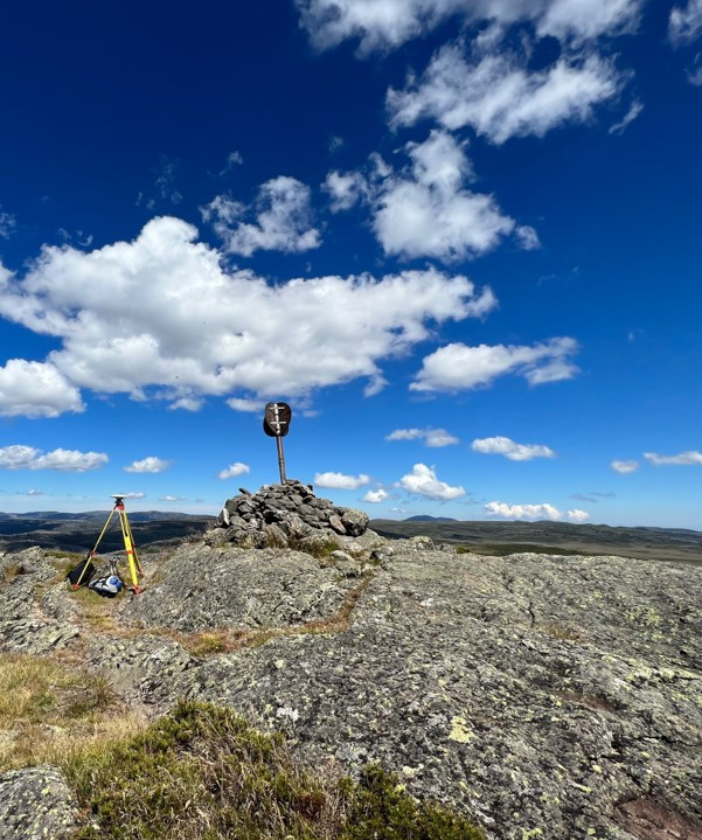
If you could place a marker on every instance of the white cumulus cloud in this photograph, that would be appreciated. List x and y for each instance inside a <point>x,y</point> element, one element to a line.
<point>485,80</point>
<point>283,219</point>
<point>186,404</point>
<point>378,24</point>
<point>246,405</point>
<point>20,457</point>
<point>390,23</point>
<point>426,211</point>
<point>691,458</point>
<point>233,470</point>
<point>8,223</point>
<point>458,367</point>
<point>346,189</point>
<point>148,465</point>
<point>339,481</point>
<point>176,325</point>
<point>538,511</point>
<point>624,467</point>
<point>36,389</point>
<point>376,496</point>
<point>425,208</point>
<point>510,449</point>
<point>541,511</point>
<point>433,438</point>
<point>172,498</point>
<point>423,481</point>
<point>499,98</point>
<point>685,24</point>
<point>406,434</point>
<point>583,19</point>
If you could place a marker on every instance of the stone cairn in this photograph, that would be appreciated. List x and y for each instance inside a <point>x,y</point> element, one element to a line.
<point>283,516</point>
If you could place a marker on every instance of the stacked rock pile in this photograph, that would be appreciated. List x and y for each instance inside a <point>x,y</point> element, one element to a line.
<point>281,515</point>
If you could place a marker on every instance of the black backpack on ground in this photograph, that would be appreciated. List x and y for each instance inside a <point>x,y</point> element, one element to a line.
<point>82,573</point>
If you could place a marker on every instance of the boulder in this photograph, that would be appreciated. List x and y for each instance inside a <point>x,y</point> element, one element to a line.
<point>355,522</point>
<point>36,804</point>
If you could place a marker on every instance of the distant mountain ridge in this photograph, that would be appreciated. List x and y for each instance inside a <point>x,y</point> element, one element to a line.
<point>502,537</point>
<point>55,530</point>
<point>424,517</point>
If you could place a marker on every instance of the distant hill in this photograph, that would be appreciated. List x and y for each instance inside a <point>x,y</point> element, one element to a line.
<point>423,517</point>
<point>499,538</point>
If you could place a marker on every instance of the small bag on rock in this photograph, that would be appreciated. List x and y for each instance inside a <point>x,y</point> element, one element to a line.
<point>108,586</point>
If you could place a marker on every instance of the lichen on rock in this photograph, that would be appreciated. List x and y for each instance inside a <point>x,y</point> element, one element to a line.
<point>36,804</point>
<point>534,692</point>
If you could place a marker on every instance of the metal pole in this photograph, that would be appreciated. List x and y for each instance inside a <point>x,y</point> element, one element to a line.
<point>281,459</point>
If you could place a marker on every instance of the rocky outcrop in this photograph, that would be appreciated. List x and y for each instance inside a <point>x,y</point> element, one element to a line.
<point>205,588</point>
<point>552,697</point>
<point>34,617</point>
<point>35,804</point>
<point>281,515</point>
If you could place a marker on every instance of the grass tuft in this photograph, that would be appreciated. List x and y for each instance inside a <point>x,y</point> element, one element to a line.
<point>50,708</point>
<point>12,571</point>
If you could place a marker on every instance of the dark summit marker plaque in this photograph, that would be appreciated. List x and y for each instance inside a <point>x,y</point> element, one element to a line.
<point>276,422</point>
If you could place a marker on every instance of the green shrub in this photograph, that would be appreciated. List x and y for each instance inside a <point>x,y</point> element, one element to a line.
<point>202,773</point>
<point>381,810</point>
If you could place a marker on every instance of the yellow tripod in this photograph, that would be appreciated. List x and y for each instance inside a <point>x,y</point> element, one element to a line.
<point>129,547</point>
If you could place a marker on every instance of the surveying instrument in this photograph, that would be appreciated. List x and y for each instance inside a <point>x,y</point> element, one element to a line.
<point>129,547</point>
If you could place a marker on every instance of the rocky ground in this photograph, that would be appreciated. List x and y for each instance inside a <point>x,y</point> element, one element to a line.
<point>547,696</point>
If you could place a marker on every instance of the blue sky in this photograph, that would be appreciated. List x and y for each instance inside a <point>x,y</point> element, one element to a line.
<point>461,238</point>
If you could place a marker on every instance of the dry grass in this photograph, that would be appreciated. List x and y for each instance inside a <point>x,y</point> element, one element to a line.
<point>50,709</point>
<point>11,571</point>
<point>98,613</point>
<point>561,632</point>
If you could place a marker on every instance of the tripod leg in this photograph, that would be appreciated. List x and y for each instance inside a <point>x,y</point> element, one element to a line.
<point>130,550</point>
<point>133,544</point>
<point>93,551</point>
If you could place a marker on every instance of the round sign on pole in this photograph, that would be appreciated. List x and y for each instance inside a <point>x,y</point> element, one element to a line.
<point>276,421</point>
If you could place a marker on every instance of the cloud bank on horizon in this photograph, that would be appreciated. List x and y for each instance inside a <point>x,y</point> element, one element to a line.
<point>240,287</point>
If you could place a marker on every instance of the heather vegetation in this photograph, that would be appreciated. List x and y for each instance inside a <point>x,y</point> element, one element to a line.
<point>202,773</point>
